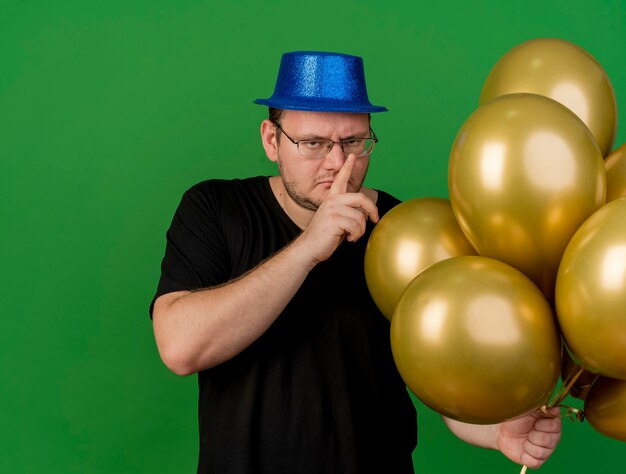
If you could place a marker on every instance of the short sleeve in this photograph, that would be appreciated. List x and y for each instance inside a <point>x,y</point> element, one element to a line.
<point>196,253</point>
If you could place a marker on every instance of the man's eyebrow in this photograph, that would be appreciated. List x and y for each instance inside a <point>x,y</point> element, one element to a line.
<point>312,136</point>
<point>357,135</point>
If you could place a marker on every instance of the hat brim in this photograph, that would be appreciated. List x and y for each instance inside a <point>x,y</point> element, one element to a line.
<point>321,106</point>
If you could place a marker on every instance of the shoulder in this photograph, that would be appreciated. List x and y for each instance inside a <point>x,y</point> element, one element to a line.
<point>215,199</point>
<point>230,186</point>
<point>219,192</point>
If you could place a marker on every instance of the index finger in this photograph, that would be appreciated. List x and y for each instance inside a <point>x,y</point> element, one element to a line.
<point>340,184</point>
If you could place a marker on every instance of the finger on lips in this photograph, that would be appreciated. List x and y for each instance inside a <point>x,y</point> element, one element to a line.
<point>340,184</point>
<point>357,200</point>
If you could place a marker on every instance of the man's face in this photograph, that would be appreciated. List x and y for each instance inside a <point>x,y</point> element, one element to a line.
<point>307,181</point>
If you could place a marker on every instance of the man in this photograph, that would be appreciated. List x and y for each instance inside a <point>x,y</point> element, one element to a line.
<point>262,293</point>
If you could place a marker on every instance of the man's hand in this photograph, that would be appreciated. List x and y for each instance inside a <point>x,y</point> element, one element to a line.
<point>342,215</point>
<point>527,440</point>
<point>531,439</point>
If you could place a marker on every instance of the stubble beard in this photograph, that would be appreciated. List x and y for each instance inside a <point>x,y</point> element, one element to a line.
<point>293,193</point>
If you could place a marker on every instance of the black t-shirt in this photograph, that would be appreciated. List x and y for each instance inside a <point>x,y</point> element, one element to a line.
<point>318,392</point>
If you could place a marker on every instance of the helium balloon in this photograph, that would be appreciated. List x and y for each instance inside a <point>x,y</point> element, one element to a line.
<point>590,292</point>
<point>615,165</point>
<point>524,173</point>
<point>605,407</point>
<point>564,72</point>
<point>410,237</point>
<point>570,369</point>
<point>476,341</point>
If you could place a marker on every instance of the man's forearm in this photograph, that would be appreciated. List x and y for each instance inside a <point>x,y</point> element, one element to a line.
<point>484,436</point>
<point>200,329</point>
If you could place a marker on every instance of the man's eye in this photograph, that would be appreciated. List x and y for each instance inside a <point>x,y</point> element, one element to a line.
<point>353,142</point>
<point>312,144</point>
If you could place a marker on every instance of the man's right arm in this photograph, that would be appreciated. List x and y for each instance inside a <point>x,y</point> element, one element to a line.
<point>201,329</point>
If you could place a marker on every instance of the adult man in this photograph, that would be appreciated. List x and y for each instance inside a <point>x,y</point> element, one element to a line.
<point>295,368</point>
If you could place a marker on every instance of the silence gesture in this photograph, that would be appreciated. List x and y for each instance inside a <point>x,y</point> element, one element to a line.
<point>342,215</point>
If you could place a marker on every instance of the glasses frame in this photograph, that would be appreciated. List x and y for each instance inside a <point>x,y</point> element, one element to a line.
<point>340,143</point>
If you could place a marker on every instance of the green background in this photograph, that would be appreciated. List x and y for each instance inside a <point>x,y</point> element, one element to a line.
<point>110,110</point>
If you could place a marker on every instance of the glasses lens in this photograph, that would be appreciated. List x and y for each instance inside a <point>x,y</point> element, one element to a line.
<point>320,148</point>
<point>360,147</point>
<point>314,148</point>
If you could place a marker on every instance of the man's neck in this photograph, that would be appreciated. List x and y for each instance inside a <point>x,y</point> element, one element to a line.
<point>298,214</point>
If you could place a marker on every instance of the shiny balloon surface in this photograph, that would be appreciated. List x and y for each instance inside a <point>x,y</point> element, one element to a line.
<point>524,173</point>
<point>605,407</point>
<point>409,238</point>
<point>564,72</point>
<point>591,292</point>
<point>615,165</point>
<point>476,341</point>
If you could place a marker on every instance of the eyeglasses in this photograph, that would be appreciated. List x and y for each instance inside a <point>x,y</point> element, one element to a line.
<point>315,148</point>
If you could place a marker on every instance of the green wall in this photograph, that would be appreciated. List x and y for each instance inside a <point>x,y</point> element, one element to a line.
<point>109,110</point>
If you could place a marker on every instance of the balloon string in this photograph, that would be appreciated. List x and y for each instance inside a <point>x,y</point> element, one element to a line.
<point>565,388</point>
<point>574,414</point>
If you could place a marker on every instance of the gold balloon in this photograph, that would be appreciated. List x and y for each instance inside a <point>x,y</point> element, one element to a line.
<point>524,173</point>
<point>615,165</point>
<point>591,292</point>
<point>476,341</point>
<point>570,369</point>
<point>605,407</point>
<point>410,237</point>
<point>564,72</point>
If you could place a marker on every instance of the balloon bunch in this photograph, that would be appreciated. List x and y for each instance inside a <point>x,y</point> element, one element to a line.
<point>520,277</point>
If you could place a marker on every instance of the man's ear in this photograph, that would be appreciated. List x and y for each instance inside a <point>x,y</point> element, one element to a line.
<point>269,139</point>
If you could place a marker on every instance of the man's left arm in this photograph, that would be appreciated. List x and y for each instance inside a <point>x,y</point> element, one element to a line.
<point>528,440</point>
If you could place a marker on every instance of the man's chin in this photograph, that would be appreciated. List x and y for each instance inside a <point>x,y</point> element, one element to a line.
<point>309,204</point>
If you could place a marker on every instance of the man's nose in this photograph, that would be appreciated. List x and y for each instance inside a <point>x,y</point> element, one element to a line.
<point>335,157</point>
